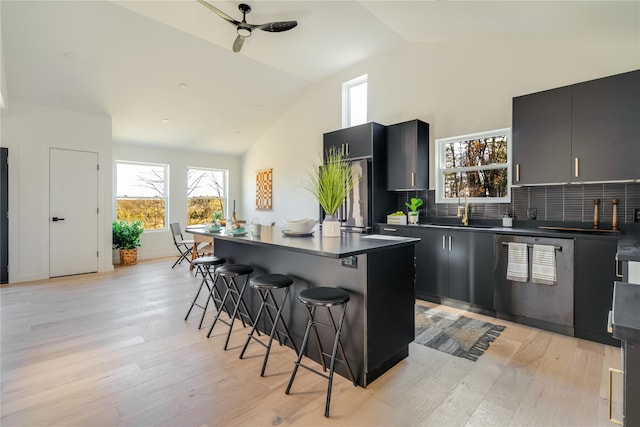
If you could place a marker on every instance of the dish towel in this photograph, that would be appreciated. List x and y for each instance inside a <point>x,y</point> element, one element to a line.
<point>518,263</point>
<point>543,265</point>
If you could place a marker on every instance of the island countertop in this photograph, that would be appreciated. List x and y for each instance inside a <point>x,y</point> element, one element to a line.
<point>348,244</point>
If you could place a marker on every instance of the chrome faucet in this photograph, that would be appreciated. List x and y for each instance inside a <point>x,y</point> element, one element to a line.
<point>465,211</point>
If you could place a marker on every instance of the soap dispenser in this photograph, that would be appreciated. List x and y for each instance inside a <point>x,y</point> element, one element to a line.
<point>507,221</point>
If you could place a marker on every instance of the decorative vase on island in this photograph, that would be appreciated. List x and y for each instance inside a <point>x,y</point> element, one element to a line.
<point>330,226</point>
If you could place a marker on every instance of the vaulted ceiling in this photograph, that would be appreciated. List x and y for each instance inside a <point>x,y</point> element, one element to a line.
<point>165,72</point>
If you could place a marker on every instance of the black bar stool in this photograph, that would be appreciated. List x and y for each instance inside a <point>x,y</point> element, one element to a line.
<point>229,274</point>
<point>327,297</point>
<point>204,265</point>
<point>265,285</point>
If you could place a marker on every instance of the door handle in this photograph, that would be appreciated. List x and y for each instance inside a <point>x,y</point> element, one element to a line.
<point>413,179</point>
<point>517,172</point>
<point>618,274</point>
<point>577,166</point>
<point>449,242</point>
<point>56,219</point>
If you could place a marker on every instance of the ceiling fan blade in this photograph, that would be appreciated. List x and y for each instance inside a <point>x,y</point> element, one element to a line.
<point>276,27</point>
<point>237,45</point>
<point>218,12</point>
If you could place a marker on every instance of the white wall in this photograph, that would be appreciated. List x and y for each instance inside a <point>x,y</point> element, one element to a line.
<point>456,88</point>
<point>29,131</point>
<point>159,243</point>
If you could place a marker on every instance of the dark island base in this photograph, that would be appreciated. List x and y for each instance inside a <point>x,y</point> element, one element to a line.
<point>380,321</point>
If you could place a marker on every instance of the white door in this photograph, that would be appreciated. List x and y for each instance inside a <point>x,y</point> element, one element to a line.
<point>73,212</point>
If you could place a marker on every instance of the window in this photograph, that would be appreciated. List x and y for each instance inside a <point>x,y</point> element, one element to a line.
<point>476,166</point>
<point>354,102</point>
<point>141,193</point>
<point>206,194</point>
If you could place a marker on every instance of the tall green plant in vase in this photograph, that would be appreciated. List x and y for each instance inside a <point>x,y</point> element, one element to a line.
<point>330,183</point>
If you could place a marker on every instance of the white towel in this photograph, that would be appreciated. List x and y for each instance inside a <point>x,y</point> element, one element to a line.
<point>518,264</point>
<point>543,265</point>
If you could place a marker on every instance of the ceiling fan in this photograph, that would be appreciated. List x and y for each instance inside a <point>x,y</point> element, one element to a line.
<point>244,29</point>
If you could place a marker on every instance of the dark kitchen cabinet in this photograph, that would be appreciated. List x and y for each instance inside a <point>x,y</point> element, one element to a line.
<point>541,132</point>
<point>454,264</point>
<point>605,119</point>
<point>594,276</point>
<point>585,132</point>
<point>356,141</point>
<point>408,156</point>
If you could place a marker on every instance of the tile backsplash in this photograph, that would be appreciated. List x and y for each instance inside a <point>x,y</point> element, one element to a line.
<point>562,203</point>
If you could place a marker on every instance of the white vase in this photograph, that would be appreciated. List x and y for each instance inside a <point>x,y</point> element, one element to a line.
<point>330,226</point>
<point>412,217</point>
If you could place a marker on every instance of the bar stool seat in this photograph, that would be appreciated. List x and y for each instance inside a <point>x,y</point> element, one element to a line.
<point>265,285</point>
<point>326,297</point>
<point>229,274</point>
<point>203,265</point>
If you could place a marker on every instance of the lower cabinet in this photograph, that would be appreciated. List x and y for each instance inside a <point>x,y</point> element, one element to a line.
<point>594,275</point>
<point>454,264</point>
<point>459,265</point>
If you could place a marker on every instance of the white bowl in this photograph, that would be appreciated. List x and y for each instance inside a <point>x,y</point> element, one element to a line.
<point>301,225</point>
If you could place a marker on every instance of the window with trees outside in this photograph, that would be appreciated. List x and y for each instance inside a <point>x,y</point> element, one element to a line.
<point>141,193</point>
<point>354,101</point>
<point>206,194</point>
<point>475,166</point>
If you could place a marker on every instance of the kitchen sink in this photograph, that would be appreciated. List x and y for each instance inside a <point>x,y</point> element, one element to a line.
<point>463,226</point>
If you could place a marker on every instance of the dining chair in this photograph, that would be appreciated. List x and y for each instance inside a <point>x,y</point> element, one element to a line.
<point>184,246</point>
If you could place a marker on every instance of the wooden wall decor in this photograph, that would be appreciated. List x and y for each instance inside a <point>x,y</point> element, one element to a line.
<point>264,188</point>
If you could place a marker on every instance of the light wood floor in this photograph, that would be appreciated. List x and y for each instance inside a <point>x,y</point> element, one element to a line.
<point>113,349</point>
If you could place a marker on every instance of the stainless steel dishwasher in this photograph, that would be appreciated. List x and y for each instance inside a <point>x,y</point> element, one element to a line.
<point>542,306</point>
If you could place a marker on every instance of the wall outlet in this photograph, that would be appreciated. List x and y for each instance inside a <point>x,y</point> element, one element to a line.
<point>636,215</point>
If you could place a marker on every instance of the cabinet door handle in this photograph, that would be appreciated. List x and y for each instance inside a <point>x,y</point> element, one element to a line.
<point>611,372</point>
<point>577,166</point>
<point>517,172</point>
<point>618,268</point>
<point>444,245</point>
<point>413,179</point>
<point>389,229</point>
<point>449,242</point>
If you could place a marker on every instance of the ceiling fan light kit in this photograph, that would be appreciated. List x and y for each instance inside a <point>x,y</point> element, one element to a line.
<point>243,28</point>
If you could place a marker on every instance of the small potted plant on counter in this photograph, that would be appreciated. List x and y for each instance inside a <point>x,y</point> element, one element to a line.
<point>126,237</point>
<point>413,209</point>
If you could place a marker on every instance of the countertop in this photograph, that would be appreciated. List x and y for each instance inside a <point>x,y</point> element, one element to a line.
<point>570,232</point>
<point>348,244</point>
<point>629,247</point>
<point>626,312</point>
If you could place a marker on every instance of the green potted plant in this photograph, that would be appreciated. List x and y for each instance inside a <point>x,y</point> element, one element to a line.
<point>412,215</point>
<point>126,237</point>
<point>330,183</point>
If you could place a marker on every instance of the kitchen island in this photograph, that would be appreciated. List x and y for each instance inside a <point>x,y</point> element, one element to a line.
<point>377,271</point>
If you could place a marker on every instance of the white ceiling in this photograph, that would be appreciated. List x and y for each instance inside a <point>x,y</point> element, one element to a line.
<point>129,59</point>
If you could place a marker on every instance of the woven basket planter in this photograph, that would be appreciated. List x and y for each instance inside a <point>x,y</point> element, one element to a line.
<point>128,256</point>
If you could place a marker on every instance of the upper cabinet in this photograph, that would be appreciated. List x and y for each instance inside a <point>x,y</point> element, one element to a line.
<point>541,132</point>
<point>605,118</point>
<point>585,132</point>
<point>356,141</point>
<point>408,156</point>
